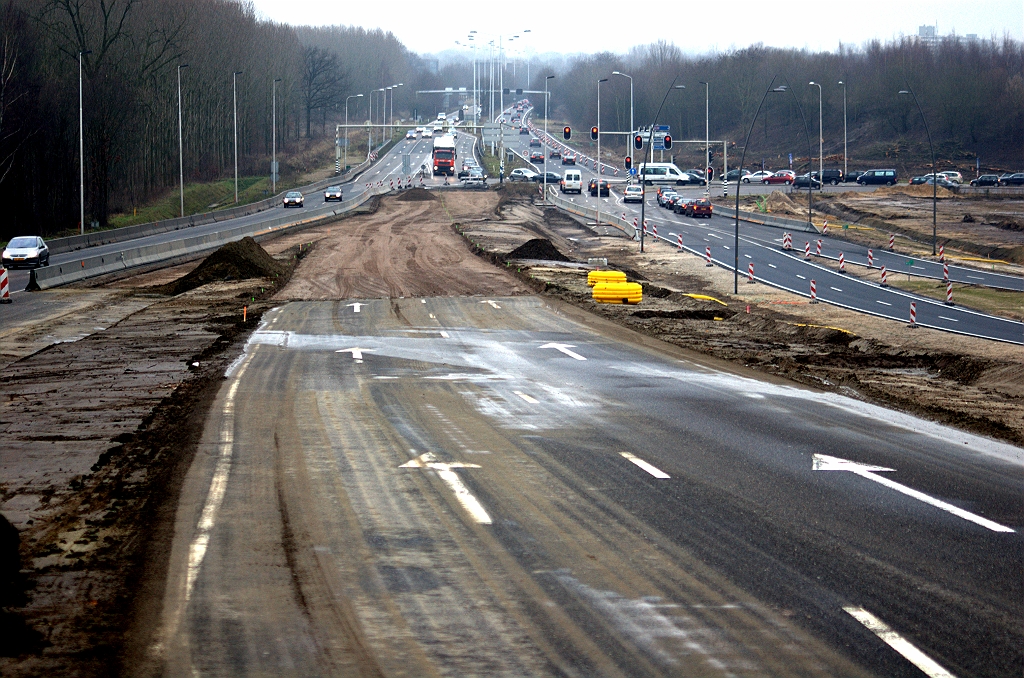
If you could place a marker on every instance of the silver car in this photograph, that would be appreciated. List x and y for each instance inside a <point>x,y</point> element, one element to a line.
<point>27,251</point>
<point>292,199</point>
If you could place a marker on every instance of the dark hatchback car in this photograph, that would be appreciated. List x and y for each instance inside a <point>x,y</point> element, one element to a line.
<point>802,181</point>
<point>1013,180</point>
<point>986,180</point>
<point>551,178</point>
<point>592,187</point>
<point>886,177</point>
<point>534,142</point>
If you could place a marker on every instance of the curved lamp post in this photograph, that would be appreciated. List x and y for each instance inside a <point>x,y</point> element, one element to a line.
<point>931,148</point>
<point>643,174</point>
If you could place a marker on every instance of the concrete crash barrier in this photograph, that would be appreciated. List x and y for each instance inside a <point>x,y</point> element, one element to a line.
<point>618,293</point>
<point>595,277</point>
<point>766,219</point>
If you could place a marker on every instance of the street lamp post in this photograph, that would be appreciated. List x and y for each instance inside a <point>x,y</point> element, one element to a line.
<point>273,158</point>
<point>391,135</point>
<point>383,111</point>
<point>81,148</point>
<point>234,95</point>
<point>821,139</point>
<point>597,219</point>
<point>844,130</point>
<point>931,148</point>
<point>351,96</point>
<point>545,188</point>
<point>181,162</point>
<point>643,172</point>
<point>632,130</point>
<point>707,136</point>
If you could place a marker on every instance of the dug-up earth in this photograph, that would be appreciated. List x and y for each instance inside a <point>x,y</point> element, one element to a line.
<point>101,406</point>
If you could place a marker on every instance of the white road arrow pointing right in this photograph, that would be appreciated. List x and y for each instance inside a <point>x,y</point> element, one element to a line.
<point>564,348</point>
<point>823,462</point>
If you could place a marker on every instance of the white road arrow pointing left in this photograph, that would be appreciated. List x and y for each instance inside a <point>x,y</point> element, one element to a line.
<point>823,462</point>
<point>564,348</point>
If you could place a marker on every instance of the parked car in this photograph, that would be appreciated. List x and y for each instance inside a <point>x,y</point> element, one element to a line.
<point>568,158</point>
<point>781,177</point>
<point>475,178</point>
<point>292,199</point>
<point>593,188</point>
<point>535,142</point>
<point>1013,180</point>
<point>27,251</point>
<point>522,174</point>
<point>735,175</point>
<point>928,180</point>
<point>802,181</point>
<point>698,208</point>
<point>633,194</point>
<point>332,193</point>
<point>757,177</point>
<point>832,177</point>
<point>878,176</point>
<point>986,180</point>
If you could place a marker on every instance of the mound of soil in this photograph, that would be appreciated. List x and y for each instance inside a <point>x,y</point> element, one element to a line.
<point>1009,225</point>
<point>416,195</point>
<point>538,248</point>
<point>919,191</point>
<point>239,260</point>
<point>780,203</point>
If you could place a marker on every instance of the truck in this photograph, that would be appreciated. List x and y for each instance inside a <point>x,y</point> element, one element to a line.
<point>444,155</point>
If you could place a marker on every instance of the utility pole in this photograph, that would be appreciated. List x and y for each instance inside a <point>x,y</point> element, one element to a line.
<point>181,162</point>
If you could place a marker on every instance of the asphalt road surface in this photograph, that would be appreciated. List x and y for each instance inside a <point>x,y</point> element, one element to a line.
<point>500,486</point>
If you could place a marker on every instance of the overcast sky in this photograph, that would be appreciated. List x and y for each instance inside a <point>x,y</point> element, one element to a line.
<point>696,27</point>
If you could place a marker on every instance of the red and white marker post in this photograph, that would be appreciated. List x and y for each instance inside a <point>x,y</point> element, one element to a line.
<point>913,314</point>
<point>814,292</point>
<point>807,250</point>
<point>824,228</point>
<point>679,241</point>
<point>892,242</point>
<point>945,272</point>
<point>949,293</point>
<point>787,241</point>
<point>817,249</point>
<point>750,272</point>
<point>707,255</point>
<point>884,284</point>
<point>655,227</point>
<point>842,263</point>
<point>871,259</point>
<point>942,254</point>
<point>5,288</point>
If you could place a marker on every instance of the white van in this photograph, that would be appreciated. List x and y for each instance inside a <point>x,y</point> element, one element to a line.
<point>572,182</point>
<point>662,173</point>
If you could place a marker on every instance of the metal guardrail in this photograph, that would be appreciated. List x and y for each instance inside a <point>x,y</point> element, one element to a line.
<point>89,267</point>
<point>115,235</point>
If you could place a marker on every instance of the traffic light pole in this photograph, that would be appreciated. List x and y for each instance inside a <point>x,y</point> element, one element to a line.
<point>643,173</point>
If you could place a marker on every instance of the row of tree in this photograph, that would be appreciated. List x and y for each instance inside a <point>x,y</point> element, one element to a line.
<point>130,55</point>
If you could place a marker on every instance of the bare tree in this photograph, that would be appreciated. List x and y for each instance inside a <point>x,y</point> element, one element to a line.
<point>322,81</point>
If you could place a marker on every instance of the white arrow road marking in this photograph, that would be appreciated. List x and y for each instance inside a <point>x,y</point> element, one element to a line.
<point>356,306</point>
<point>529,399</point>
<point>445,473</point>
<point>357,353</point>
<point>564,348</point>
<point>653,470</point>
<point>823,462</point>
<point>493,304</point>
<point>898,643</point>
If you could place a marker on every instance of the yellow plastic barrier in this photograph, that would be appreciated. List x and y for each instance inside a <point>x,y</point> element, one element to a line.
<point>705,297</point>
<point>618,293</point>
<point>595,277</point>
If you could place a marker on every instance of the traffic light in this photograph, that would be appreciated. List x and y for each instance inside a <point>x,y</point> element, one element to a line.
<point>638,142</point>
<point>629,162</point>
<point>668,141</point>
<point>567,132</point>
<point>593,133</point>
<point>711,173</point>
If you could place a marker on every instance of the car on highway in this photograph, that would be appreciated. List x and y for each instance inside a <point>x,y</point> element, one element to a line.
<point>953,176</point>
<point>698,208</point>
<point>535,142</point>
<point>700,177</point>
<point>292,199</point>
<point>572,181</point>
<point>593,188</point>
<point>679,204</point>
<point>537,156</point>
<point>568,158</point>
<point>804,179</point>
<point>523,130</point>
<point>786,177</point>
<point>522,174</point>
<point>26,251</point>
<point>552,178</point>
<point>853,176</point>
<point>734,175</point>
<point>411,134</point>
<point>555,153</point>
<point>633,193</point>
<point>877,177</point>
<point>438,130</point>
<point>332,193</point>
<point>757,177</point>
<point>832,177</point>
<point>928,180</point>
<point>1013,180</point>
<point>664,194</point>
<point>475,178</point>
<point>427,132</point>
<point>986,180</point>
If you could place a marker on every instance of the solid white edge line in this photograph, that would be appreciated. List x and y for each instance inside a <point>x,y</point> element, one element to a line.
<point>897,642</point>
<point>653,470</point>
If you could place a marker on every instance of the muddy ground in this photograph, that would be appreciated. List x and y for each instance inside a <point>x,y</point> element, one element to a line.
<point>101,405</point>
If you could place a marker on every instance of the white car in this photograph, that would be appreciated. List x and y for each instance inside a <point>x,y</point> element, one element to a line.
<point>26,251</point>
<point>427,132</point>
<point>757,177</point>
<point>411,134</point>
<point>522,174</point>
<point>953,176</point>
<point>633,194</point>
<point>292,199</point>
<point>438,129</point>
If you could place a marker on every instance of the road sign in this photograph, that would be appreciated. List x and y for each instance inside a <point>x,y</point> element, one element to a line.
<point>490,132</point>
<point>633,171</point>
<point>662,128</point>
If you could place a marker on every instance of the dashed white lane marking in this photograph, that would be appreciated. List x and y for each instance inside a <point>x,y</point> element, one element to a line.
<point>527,398</point>
<point>712,235</point>
<point>748,256</point>
<point>653,470</point>
<point>879,301</point>
<point>897,642</point>
<point>432,316</point>
<point>772,266</point>
<point>836,289</point>
<point>920,268</point>
<point>800,276</point>
<point>975,277</point>
<point>952,320</point>
<point>444,334</point>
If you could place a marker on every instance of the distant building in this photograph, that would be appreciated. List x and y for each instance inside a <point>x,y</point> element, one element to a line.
<point>928,35</point>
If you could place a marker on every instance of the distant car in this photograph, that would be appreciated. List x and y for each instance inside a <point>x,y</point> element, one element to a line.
<point>568,158</point>
<point>697,176</point>
<point>917,181</point>
<point>802,181</point>
<point>332,193</point>
<point>878,176</point>
<point>475,178</point>
<point>680,203</point>
<point>411,134</point>
<point>535,142</point>
<point>735,175</point>
<point>537,156</point>
<point>780,177</point>
<point>853,176</point>
<point>292,199</point>
<point>438,129</point>
<point>427,132</point>
<point>593,187</point>
<point>522,174</point>
<point>553,178</point>
<point>633,194</point>
<point>832,177</point>
<point>953,176</point>
<point>27,251</point>
<point>698,208</point>
<point>555,153</point>
<point>1013,180</point>
<point>523,130</point>
<point>986,180</point>
<point>664,195</point>
<point>757,177</point>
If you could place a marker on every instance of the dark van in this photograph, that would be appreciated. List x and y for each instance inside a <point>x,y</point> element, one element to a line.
<point>878,176</point>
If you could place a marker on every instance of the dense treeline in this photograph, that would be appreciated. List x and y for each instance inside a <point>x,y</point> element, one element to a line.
<point>132,52</point>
